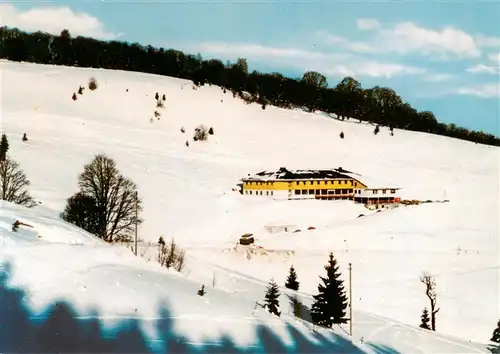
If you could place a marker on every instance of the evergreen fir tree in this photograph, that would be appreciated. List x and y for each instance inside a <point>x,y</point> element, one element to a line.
<point>4,147</point>
<point>496,334</point>
<point>271,300</point>
<point>330,304</point>
<point>425,319</point>
<point>291,281</point>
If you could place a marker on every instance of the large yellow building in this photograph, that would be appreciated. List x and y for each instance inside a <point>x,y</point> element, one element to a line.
<point>303,184</point>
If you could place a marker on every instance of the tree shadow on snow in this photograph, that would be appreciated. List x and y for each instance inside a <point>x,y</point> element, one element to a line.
<point>60,329</point>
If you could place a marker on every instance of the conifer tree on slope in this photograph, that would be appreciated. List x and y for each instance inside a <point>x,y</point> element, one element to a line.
<point>425,319</point>
<point>291,281</point>
<point>330,304</point>
<point>4,147</point>
<point>496,334</point>
<point>271,300</point>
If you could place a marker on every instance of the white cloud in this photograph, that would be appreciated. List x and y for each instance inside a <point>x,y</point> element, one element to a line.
<point>484,69</point>
<point>326,63</point>
<point>488,68</point>
<point>367,23</point>
<point>438,77</point>
<point>485,91</point>
<point>488,41</point>
<point>355,46</point>
<point>260,51</point>
<point>53,19</point>
<point>373,69</point>
<point>407,37</point>
<point>495,57</point>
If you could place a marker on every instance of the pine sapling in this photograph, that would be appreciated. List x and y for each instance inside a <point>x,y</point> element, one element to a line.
<point>425,319</point>
<point>271,301</point>
<point>4,147</point>
<point>292,282</point>
<point>496,334</point>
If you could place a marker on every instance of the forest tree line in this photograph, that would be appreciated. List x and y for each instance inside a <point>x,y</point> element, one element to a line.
<point>378,105</point>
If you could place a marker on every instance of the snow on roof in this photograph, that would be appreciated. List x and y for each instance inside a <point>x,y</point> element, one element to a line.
<point>285,174</point>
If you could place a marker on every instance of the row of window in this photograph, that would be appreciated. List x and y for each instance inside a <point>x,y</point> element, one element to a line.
<point>322,191</point>
<point>384,191</point>
<point>260,192</point>
<point>298,183</point>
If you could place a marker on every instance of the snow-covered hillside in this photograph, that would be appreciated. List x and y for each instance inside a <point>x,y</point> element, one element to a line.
<point>187,193</point>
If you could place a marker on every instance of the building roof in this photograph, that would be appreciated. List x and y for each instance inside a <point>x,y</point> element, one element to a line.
<point>285,174</point>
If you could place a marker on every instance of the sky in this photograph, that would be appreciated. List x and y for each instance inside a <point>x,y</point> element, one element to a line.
<point>441,56</point>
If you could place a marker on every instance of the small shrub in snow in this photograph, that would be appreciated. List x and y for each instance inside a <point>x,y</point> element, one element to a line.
<point>224,90</point>
<point>164,98</point>
<point>183,130</point>
<point>80,90</point>
<point>25,138</point>
<point>297,307</point>
<point>341,135</point>
<point>157,114</point>
<point>170,255</point>
<point>376,130</point>
<point>73,97</point>
<point>200,133</point>
<point>263,106</point>
<point>159,104</point>
<point>211,131</point>
<point>157,96</point>
<point>187,143</point>
<point>202,291</point>
<point>93,84</point>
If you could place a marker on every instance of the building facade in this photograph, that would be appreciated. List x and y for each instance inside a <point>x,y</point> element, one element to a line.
<point>377,198</point>
<point>335,184</point>
<point>301,184</point>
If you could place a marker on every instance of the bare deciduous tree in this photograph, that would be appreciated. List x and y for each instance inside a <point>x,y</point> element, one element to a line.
<point>14,184</point>
<point>430,290</point>
<point>114,214</point>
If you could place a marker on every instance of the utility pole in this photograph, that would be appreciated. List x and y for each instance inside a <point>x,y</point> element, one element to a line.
<point>350,300</point>
<point>136,217</point>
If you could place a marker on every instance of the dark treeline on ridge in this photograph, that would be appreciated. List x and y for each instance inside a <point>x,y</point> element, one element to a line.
<point>378,105</point>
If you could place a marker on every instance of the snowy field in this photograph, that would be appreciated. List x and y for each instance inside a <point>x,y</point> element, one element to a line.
<point>187,194</point>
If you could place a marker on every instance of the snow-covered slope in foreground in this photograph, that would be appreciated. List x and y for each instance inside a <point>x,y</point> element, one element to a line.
<point>187,191</point>
<point>62,290</point>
